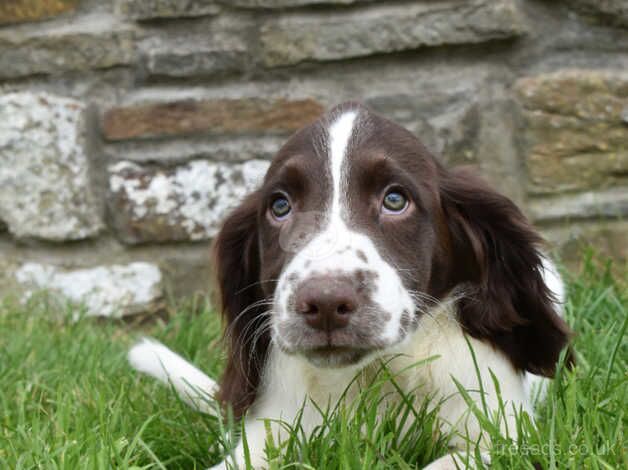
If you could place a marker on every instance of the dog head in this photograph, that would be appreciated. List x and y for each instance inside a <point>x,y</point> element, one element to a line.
<point>357,231</point>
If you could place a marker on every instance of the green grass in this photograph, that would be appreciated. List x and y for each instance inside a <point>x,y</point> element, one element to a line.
<point>68,400</point>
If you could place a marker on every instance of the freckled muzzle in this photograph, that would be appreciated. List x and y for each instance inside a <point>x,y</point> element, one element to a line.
<point>331,318</point>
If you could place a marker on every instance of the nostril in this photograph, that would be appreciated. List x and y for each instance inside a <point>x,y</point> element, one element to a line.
<point>344,308</point>
<point>308,309</point>
<point>312,309</point>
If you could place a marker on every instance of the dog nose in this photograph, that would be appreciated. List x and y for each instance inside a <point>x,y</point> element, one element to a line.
<point>326,303</point>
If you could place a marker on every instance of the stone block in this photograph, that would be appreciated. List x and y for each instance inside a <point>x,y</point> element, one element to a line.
<point>18,11</point>
<point>613,11</point>
<point>187,202</point>
<point>575,130</point>
<point>151,9</point>
<point>272,4</point>
<point>217,116</point>
<point>444,124</point>
<point>612,203</point>
<point>194,61</point>
<point>45,189</point>
<point>465,123</point>
<point>108,291</point>
<point>207,51</point>
<point>376,29</point>
<point>607,237</point>
<point>95,42</point>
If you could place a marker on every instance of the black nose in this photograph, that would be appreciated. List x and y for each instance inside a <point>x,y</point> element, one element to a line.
<point>327,302</point>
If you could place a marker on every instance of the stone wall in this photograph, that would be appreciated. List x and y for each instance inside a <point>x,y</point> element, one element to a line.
<point>129,127</point>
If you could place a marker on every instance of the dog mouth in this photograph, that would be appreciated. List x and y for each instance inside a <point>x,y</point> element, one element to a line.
<point>343,346</point>
<point>327,352</point>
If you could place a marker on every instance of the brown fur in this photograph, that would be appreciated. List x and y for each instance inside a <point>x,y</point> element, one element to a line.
<point>236,262</point>
<point>459,233</point>
<point>497,254</point>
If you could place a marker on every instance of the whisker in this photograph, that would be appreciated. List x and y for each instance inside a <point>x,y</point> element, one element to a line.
<point>257,283</point>
<point>262,302</point>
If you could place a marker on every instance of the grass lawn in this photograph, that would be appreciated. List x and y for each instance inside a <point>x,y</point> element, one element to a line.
<point>68,400</point>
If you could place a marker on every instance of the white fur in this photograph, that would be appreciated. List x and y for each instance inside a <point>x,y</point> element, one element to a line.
<point>555,284</point>
<point>290,383</point>
<point>339,138</point>
<point>334,249</point>
<point>192,385</point>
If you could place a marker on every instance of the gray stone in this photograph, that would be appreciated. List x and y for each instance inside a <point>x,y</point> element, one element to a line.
<point>406,110</point>
<point>45,189</point>
<point>96,42</point>
<point>445,124</point>
<point>614,11</point>
<point>192,61</point>
<point>466,122</point>
<point>214,53</point>
<point>498,156</point>
<point>287,3</point>
<point>108,291</point>
<point>294,38</point>
<point>607,237</point>
<point>182,203</point>
<point>222,149</point>
<point>612,203</point>
<point>185,267</point>
<point>150,9</point>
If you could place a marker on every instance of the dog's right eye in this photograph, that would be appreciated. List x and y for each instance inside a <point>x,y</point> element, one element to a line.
<point>280,207</point>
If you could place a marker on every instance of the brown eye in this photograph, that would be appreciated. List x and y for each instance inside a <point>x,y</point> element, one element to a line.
<point>394,202</point>
<point>280,207</point>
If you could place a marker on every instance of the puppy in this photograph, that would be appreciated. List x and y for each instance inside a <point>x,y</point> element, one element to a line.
<point>361,246</point>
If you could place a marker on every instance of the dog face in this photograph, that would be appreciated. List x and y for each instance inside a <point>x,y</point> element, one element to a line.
<point>357,231</point>
<point>347,237</point>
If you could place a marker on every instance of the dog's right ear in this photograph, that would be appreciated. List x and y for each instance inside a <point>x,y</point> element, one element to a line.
<point>236,260</point>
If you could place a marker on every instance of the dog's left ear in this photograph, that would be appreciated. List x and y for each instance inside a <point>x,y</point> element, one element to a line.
<point>495,254</point>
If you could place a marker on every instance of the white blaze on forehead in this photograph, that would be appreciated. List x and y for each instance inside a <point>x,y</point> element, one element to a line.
<point>339,137</point>
<point>335,249</point>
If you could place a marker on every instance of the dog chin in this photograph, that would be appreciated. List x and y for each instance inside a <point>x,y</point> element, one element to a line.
<point>334,357</point>
<point>328,357</point>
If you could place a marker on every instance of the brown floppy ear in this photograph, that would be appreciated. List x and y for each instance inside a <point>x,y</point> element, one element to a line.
<point>496,255</point>
<point>236,261</point>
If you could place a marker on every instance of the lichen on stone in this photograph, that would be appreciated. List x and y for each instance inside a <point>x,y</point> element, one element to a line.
<point>186,202</point>
<point>45,189</point>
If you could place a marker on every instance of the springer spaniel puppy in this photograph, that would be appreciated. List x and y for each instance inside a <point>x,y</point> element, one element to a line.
<point>359,246</point>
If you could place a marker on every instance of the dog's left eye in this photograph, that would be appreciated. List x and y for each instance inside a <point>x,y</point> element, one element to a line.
<point>394,202</point>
